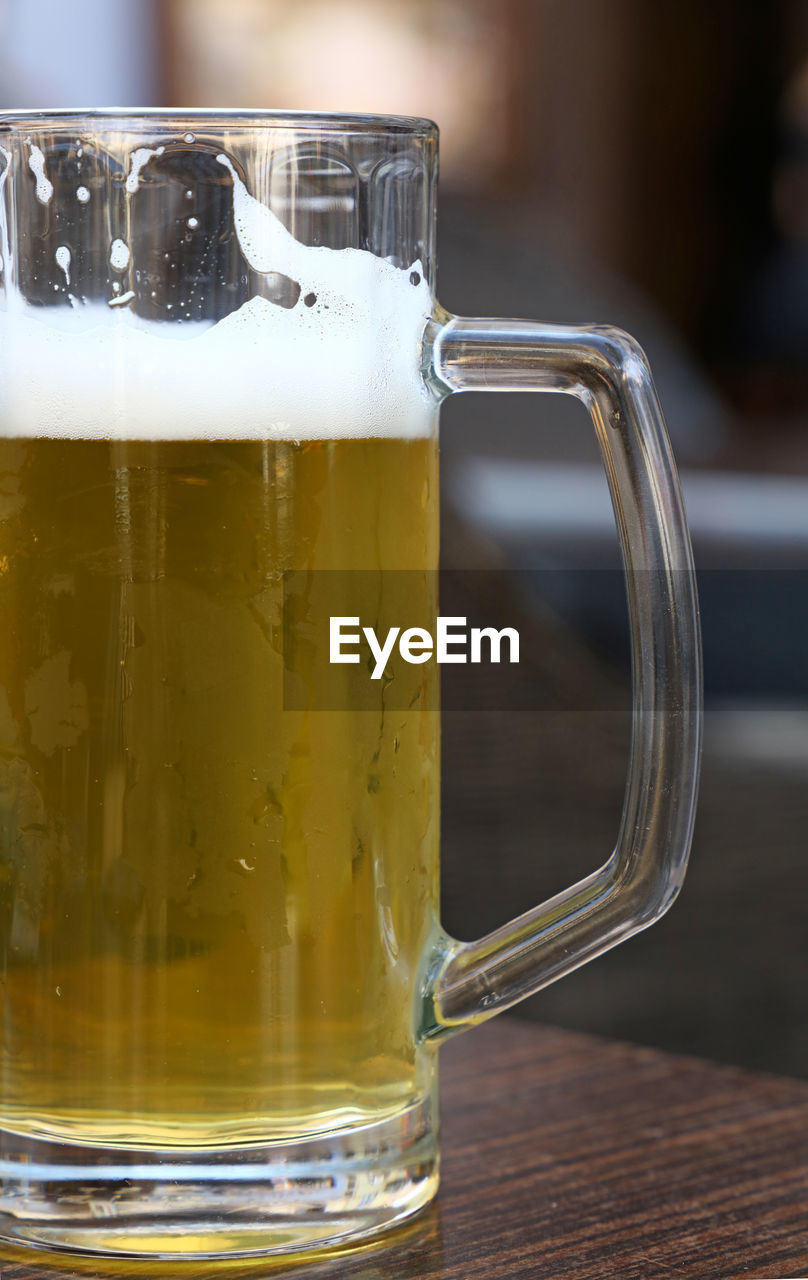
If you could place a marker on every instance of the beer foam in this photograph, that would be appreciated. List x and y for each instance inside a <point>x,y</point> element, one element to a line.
<point>343,361</point>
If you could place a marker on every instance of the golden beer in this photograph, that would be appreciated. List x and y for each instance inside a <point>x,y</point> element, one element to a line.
<point>212,906</point>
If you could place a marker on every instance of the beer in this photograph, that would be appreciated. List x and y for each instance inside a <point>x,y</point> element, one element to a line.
<point>212,907</point>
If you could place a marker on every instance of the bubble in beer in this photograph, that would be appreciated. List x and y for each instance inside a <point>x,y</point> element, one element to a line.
<point>82,194</point>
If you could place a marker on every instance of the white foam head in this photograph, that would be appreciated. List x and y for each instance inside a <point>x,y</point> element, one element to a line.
<point>344,361</point>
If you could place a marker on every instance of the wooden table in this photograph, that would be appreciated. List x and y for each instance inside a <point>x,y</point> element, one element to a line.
<point>569,1156</point>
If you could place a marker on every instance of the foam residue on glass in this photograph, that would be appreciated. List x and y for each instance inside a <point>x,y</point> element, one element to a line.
<point>119,255</point>
<point>36,163</point>
<point>343,361</point>
<point>138,158</point>
<point>4,247</point>
<point>62,256</point>
<point>122,300</point>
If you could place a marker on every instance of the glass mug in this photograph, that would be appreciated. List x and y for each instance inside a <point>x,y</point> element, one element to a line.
<point>224,981</point>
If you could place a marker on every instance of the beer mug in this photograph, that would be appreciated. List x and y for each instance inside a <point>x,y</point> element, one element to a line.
<point>224,982</point>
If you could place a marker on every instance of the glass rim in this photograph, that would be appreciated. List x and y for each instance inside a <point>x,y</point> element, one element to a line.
<point>134,119</point>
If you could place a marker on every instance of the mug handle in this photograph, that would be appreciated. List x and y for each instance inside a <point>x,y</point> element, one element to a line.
<point>607,370</point>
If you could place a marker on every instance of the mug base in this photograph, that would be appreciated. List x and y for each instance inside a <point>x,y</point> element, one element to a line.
<point>283,1198</point>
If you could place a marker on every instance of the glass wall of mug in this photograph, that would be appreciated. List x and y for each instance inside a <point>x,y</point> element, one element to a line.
<point>213,908</point>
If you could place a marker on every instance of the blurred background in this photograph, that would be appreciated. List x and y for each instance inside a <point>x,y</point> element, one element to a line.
<point>643,165</point>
